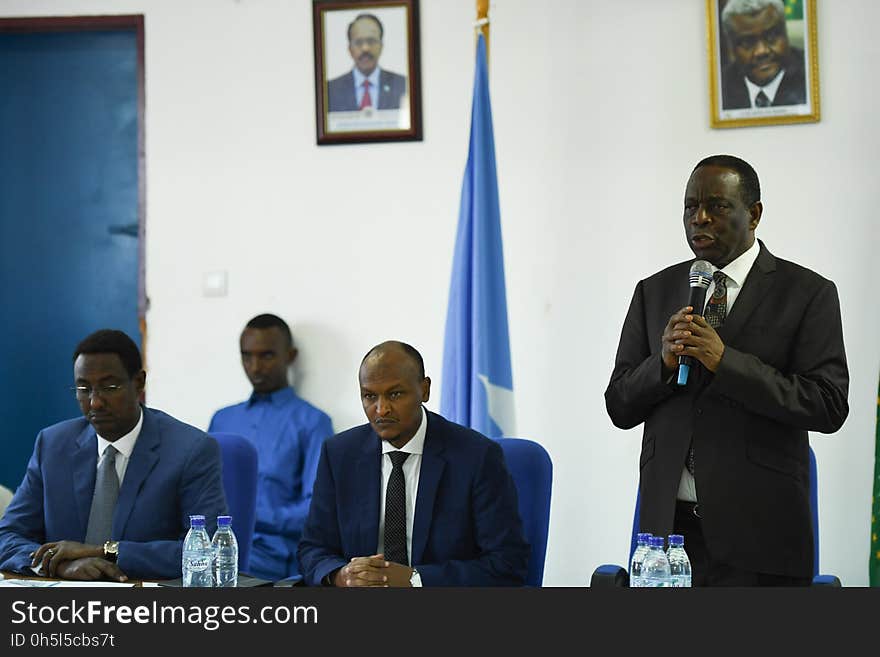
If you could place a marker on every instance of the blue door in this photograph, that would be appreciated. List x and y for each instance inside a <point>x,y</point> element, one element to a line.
<point>69,216</point>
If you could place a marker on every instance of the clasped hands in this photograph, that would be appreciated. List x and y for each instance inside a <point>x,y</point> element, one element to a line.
<point>372,571</point>
<point>687,334</point>
<point>72,560</point>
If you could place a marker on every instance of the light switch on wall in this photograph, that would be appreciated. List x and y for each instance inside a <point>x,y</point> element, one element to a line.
<point>214,284</point>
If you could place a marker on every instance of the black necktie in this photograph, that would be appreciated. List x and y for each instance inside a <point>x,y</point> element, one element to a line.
<point>761,100</point>
<point>716,313</point>
<point>395,511</point>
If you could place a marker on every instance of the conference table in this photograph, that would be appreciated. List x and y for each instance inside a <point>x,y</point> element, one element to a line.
<point>37,581</point>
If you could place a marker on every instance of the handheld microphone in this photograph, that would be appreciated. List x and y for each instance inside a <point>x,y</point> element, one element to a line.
<point>699,277</point>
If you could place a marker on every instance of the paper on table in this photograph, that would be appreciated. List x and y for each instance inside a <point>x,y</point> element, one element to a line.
<point>42,583</point>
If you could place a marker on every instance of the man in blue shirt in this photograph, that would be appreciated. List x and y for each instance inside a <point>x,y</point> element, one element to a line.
<point>288,433</point>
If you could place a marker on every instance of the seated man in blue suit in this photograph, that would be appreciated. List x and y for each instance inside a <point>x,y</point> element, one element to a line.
<point>109,496</point>
<point>410,499</point>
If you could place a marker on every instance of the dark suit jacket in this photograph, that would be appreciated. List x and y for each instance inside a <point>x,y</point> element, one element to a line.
<point>342,98</point>
<point>783,373</point>
<point>792,89</point>
<point>174,471</point>
<point>466,532</point>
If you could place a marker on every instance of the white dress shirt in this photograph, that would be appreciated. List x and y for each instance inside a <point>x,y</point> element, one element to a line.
<point>736,272</point>
<point>769,89</point>
<point>124,445</point>
<point>411,468</point>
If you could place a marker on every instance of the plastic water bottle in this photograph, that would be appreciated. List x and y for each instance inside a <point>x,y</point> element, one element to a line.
<point>655,567</point>
<point>198,560</point>
<point>679,563</point>
<point>635,566</point>
<point>225,553</point>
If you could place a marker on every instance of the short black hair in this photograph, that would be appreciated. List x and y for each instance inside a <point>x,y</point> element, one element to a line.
<point>267,320</point>
<point>750,188</point>
<point>372,17</point>
<point>111,341</point>
<point>409,350</point>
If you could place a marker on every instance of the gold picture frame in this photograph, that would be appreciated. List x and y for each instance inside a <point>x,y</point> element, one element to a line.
<point>787,65</point>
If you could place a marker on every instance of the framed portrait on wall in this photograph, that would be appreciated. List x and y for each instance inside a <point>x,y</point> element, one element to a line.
<point>367,73</point>
<point>763,62</point>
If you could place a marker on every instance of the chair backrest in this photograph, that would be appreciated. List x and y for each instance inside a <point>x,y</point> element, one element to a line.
<point>240,485</point>
<point>532,472</point>
<point>814,510</point>
<point>5,499</point>
<point>814,514</point>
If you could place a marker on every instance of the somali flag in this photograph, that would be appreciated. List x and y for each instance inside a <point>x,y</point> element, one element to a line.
<point>477,381</point>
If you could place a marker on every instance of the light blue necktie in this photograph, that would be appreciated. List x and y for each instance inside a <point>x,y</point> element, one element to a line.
<point>104,499</point>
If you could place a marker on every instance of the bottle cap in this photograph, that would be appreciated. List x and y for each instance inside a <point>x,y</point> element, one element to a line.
<point>657,541</point>
<point>676,540</point>
<point>197,521</point>
<point>643,537</point>
<point>224,521</point>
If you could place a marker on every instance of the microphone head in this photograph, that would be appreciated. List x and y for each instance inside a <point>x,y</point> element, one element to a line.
<point>700,274</point>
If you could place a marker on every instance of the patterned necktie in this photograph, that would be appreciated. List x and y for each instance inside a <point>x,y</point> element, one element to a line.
<point>395,511</point>
<point>366,100</point>
<point>716,309</point>
<point>715,314</point>
<point>761,100</point>
<point>104,499</point>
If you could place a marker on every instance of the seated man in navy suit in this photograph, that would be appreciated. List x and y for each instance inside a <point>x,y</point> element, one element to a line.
<point>366,85</point>
<point>410,499</point>
<point>109,496</point>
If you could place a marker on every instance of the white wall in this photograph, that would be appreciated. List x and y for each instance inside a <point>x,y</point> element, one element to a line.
<point>600,110</point>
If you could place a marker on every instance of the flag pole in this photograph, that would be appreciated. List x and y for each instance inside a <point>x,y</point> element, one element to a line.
<point>483,23</point>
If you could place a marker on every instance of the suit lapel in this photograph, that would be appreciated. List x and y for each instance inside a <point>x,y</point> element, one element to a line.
<point>429,481</point>
<point>758,284</point>
<point>350,93</point>
<point>143,460</point>
<point>84,462</point>
<point>369,470</point>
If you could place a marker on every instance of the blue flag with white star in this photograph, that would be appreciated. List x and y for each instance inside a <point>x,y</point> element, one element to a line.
<point>477,380</point>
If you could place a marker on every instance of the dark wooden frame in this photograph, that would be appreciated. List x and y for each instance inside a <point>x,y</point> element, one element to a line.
<point>106,23</point>
<point>414,133</point>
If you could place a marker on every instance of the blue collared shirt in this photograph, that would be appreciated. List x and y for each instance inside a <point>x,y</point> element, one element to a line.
<point>288,433</point>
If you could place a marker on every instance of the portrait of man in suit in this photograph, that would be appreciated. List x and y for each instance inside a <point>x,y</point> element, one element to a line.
<point>410,498</point>
<point>764,69</point>
<point>108,495</point>
<point>725,458</point>
<point>367,85</point>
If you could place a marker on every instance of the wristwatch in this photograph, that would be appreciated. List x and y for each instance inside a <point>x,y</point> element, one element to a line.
<point>415,580</point>
<point>111,550</point>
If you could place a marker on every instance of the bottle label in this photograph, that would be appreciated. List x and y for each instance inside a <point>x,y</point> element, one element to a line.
<point>198,564</point>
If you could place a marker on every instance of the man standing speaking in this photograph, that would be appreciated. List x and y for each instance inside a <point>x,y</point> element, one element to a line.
<point>725,458</point>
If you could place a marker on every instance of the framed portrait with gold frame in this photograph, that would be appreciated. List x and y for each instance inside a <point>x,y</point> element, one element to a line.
<point>367,71</point>
<point>763,62</point>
